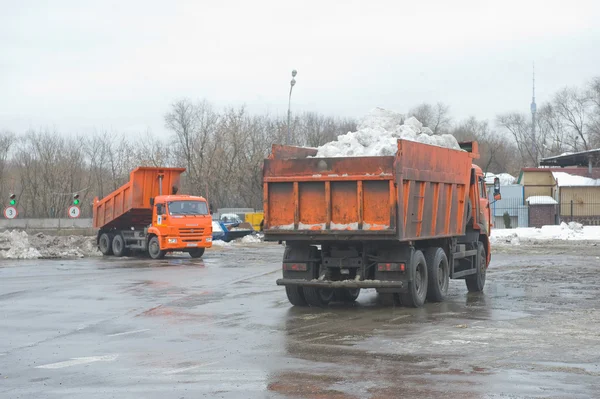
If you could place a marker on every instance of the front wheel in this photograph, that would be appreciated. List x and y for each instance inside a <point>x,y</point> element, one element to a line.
<point>154,249</point>
<point>197,253</point>
<point>476,282</point>
<point>417,288</point>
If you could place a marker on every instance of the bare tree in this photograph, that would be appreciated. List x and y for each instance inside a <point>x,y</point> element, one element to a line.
<point>436,117</point>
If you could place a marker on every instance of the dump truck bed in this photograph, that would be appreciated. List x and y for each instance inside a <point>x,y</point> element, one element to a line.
<point>419,193</point>
<point>129,205</point>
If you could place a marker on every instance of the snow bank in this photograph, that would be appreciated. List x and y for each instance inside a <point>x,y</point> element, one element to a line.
<point>378,134</point>
<point>20,245</point>
<point>251,239</point>
<point>564,179</point>
<point>541,200</point>
<point>571,232</point>
<point>505,179</point>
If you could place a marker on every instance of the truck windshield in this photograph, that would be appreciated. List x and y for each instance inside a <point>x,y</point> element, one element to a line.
<point>188,208</point>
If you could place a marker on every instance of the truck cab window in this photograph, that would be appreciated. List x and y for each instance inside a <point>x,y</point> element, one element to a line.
<point>160,209</point>
<point>482,190</point>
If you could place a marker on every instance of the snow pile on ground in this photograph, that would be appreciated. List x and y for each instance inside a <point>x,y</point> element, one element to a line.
<point>16,245</point>
<point>541,200</point>
<point>20,245</point>
<point>378,134</point>
<point>251,239</point>
<point>505,179</point>
<point>564,179</point>
<point>570,232</point>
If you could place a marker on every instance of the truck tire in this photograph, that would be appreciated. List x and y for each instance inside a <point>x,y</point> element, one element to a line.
<point>197,253</point>
<point>318,297</point>
<point>476,282</point>
<point>105,244</point>
<point>346,294</point>
<point>295,295</point>
<point>118,245</point>
<point>438,273</point>
<point>417,288</point>
<point>154,249</point>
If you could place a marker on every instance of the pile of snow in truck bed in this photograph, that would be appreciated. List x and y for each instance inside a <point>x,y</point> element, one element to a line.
<point>378,134</point>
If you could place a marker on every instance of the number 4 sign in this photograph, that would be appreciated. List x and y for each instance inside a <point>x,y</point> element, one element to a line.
<point>74,212</point>
<point>10,212</point>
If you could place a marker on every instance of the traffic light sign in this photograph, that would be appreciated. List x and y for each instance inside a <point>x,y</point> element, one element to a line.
<point>75,199</point>
<point>13,200</point>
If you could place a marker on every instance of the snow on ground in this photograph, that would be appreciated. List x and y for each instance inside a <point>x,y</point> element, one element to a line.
<point>571,232</point>
<point>541,200</point>
<point>20,245</point>
<point>378,134</point>
<point>564,179</point>
<point>505,179</point>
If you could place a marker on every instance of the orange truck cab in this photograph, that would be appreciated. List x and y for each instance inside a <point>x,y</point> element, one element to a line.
<point>137,217</point>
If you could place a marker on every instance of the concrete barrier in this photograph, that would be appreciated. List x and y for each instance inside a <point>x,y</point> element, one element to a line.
<point>55,226</point>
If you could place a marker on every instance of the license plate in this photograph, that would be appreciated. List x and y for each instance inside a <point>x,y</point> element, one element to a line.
<point>192,244</point>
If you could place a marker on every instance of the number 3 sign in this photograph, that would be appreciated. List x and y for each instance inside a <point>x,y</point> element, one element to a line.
<point>10,212</point>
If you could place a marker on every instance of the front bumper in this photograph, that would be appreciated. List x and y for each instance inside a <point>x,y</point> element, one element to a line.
<point>341,284</point>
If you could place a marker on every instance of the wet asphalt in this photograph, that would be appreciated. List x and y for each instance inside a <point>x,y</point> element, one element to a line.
<point>220,328</point>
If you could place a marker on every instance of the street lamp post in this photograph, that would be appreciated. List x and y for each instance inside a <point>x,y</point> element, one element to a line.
<point>292,83</point>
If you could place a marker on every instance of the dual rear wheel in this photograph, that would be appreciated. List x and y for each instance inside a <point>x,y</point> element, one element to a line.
<point>319,297</point>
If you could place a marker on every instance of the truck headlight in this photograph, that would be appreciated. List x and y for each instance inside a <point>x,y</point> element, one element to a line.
<point>172,240</point>
<point>208,239</point>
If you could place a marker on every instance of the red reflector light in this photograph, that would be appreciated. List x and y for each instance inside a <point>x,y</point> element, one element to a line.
<point>297,267</point>
<point>391,267</point>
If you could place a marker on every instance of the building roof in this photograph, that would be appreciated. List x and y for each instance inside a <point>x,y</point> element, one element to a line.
<point>541,200</point>
<point>582,158</point>
<point>572,171</point>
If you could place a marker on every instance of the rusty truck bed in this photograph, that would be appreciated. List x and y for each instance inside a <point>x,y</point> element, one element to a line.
<point>419,193</point>
<point>130,204</point>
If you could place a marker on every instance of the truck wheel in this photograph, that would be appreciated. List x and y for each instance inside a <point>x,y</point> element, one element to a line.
<point>438,273</point>
<point>295,295</point>
<point>197,253</point>
<point>346,294</point>
<point>118,245</point>
<point>476,282</point>
<point>154,249</point>
<point>104,244</point>
<point>417,288</point>
<point>318,297</point>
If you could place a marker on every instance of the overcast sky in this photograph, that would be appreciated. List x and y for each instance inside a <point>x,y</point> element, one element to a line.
<point>78,65</point>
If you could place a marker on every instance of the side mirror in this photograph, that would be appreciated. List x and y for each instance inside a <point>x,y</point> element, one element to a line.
<point>497,195</point>
<point>151,201</point>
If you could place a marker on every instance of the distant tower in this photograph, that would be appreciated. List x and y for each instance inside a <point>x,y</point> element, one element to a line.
<point>533,111</point>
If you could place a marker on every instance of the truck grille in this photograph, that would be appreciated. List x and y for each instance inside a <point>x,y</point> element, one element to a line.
<point>191,232</point>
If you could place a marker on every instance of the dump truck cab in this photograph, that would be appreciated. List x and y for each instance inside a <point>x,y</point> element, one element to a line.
<point>181,221</point>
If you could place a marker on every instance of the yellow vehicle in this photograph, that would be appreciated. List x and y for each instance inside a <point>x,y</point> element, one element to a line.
<point>255,218</point>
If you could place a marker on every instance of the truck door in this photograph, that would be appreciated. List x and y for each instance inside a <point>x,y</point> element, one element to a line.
<point>484,206</point>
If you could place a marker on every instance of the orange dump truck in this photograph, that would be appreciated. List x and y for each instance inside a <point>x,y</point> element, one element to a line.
<point>146,215</point>
<point>402,224</point>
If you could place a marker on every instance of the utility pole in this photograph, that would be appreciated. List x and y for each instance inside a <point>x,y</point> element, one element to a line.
<point>533,121</point>
<point>292,83</point>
